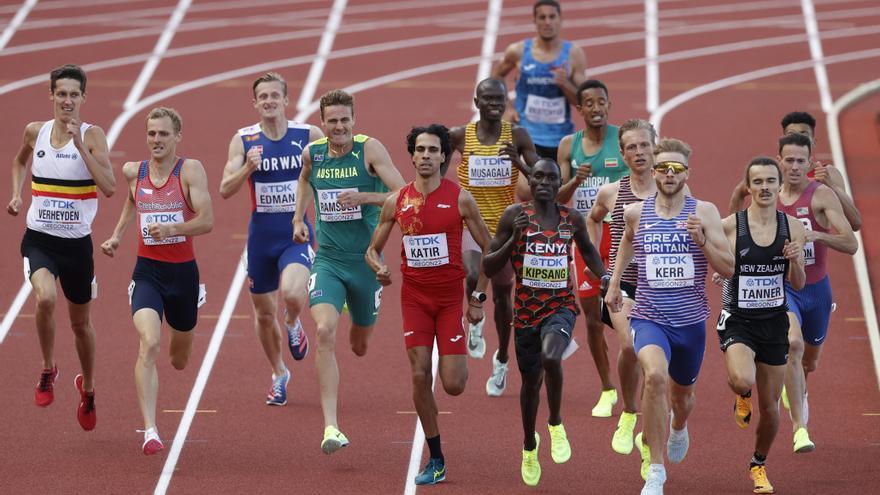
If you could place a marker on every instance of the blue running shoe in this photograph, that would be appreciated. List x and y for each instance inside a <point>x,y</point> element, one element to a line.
<point>434,472</point>
<point>278,391</point>
<point>298,341</point>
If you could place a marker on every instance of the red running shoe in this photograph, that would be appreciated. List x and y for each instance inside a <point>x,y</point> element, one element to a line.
<point>152,442</point>
<point>44,394</point>
<point>85,413</point>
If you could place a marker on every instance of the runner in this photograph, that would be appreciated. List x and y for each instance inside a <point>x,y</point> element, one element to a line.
<point>268,157</point>
<point>589,159</point>
<point>488,173</point>
<point>753,326</point>
<point>169,195</point>
<point>430,212</point>
<point>672,237</point>
<point>550,71</point>
<point>536,238</point>
<point>352,174</point>
<point>70,164</point>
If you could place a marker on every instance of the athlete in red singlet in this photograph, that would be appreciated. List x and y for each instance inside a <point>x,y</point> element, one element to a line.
<point>430,212</point>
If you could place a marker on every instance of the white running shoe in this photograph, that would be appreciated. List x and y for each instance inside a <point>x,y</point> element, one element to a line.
<point>498,381</point>
<point>655,481</point>
<point>476,344</point>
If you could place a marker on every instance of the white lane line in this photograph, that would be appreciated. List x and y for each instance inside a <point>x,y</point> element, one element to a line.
<point>815,40</point>
<point>490,37</point>
<point>17,21</point>
<point>324,49</point>
<point>158,51</point>
<point>652,50</point>
<point>860,258</point>
<point>418,443</point>
<point>14,309</point>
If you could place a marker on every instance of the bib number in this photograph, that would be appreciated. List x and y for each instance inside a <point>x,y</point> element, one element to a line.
<point>331,211</point>
<point>760,292</point>
<point>425,251</point>
<point>545,272</point>
<point>722,320</point>
<point>162,218</point>
<point>275,197</point>
<point>489,171</point>
<point>541,110</point>
<point>669,270</point>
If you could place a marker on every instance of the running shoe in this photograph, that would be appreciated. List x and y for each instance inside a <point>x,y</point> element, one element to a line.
<point>560,449</point>
<point>742,411</point>
<point>333,440</point>
<point>784,396</point>
<point>677,444</point>
<point>622,441</point>
<point>645,452</point>
<point>476,344</point>
<point>44,394</point>
<point>498,381</point>
<point>802,442</point>
<point>654,481</point>
<point>605,406</point>
<point>297,341</point>
<point>85,412</point>
<point>434,472</point>
<point>531,468</point>
<point>758,474</point>
<point>152,443</point>
<point>278,391</point>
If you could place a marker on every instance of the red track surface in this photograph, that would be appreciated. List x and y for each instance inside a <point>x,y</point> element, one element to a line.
<point>239,445</point>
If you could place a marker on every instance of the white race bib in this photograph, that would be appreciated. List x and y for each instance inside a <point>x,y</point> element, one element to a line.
<point>58,214</point>
<point>275,197</point>
<point>164,218</point>
<point>760,292</point>
<point>489,171</point>
<point>669,270</point>
<point>586,193</point>
<point>545,272</point>
<point>809,247</point>
<point>425,251</point>
<point>541,110</point>
<point>330,209</point>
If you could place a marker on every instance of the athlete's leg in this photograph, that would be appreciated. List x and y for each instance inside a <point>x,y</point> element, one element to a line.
<point>46,296</point>
<point>552,347</point>
<point>811,358</point>
<point>740,361</point>
<point>655,402</point>
<point>502,300</point>
<point>268,330</point>
<point>358,338</point>
<point>181,347</point>
<point>326,318</point>
<point>148,326</point>
<point>628,368</point>
<point>453,373</point>
<point>529,400</point>
<point>294,284</point>
<point>795,381</point>
<point>84,335</point>
<point>769,380</point>
<point>683,401</point>
<point>596,338</point>
<point>423,396</point>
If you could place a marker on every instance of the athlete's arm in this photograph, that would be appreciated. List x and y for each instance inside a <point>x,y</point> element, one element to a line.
<point>129,173</point>
<point>19,165</point>
<point>315,133</point>
<point>470,213</point>
<point>605,198</point>
<point>794,253</point>
<point>238,167</point>
<point>728,223</point>
<point>512,56</point>
<point>706,231</point>
<point>304,197</point>
<point>373,255</point>
<point>95,155</point>
<point>738,197</point>
<point>829,175</point>
<point>379,163</point>
<point>586,248</point>
<point>510,227</point>
<point>563,158</point>
<point>840,238</point>
<point>526,147</point>
<point>569,81</point>
<point>194,182</point>
<point>625,253</point>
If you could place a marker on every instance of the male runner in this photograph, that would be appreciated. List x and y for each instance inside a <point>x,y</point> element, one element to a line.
<point>550,70</point>
<point>589,159</point>
<point>536,238</point>
<point>70,163</point>
<point>819,209</point>
<point>268,157</point>
<point>430,211</point>
<point>673,237</point>
<point>490,170</point>
<point>348,176</point>
<point>169,196</point>
<point>753,325</point>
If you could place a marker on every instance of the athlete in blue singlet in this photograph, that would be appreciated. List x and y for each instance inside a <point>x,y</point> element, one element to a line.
<point>267,156</point>
<point>550,70</point>
<point>673,238</point>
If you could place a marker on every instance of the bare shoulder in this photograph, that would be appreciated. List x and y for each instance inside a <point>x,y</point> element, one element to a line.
<point>130,170</point>
<point>707,208</point>
<point>192,168</point>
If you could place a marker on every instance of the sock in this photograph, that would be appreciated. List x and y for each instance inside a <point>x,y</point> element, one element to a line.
<point>746,395</point>
<point>677,433</point>
<point>758,459</point>
<point>434,447</point>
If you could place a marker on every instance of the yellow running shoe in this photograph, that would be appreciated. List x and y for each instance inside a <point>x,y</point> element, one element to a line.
<point>560,449</point>
<point>605,407</point>
<point>785,403</point>
<point>802,442</point>
<point>622,441</point>
<point>759,476</point>
<point>742,411</point>
<point>645,451</point>
<point>531,468</point>
<point>333,440</point>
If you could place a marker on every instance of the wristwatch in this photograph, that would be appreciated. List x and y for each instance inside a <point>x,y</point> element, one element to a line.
<point>479,296</point>
<point>603,284</point>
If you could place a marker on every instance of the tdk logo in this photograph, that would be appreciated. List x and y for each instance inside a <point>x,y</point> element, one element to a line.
<point>161,218</point>
<point>58,204</point>
<point>276,188</point>
<point>424,241</point>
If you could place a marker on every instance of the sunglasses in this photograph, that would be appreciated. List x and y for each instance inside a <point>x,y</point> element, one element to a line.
<point>665,167</point>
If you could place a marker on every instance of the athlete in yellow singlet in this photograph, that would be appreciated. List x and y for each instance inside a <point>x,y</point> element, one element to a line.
<point>496,157</point>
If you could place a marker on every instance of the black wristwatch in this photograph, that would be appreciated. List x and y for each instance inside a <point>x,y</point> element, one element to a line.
<point>603,284</point>
<point>479,296</point>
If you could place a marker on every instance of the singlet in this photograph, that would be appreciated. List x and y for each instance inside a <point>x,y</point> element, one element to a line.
<point>672,269</point>
<point>273,184</point>
<point>757,288</point>
<point>343,233</point>
<point>164,204</point>
<point>542,107</point>
<point>625,197</point>
<point>64,195</point>
<point>815,253</point>
<point>490,179</point>
<point>607,166</point>
<point>431,227</point>
<point>541,260</point>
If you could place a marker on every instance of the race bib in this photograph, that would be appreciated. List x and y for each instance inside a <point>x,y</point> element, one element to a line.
<point>59,214</point>
<point>545,272</point>
<point>424,251</point>
<point>489,171</point>
<point>541,110</point>
<point>586,193</point>
<point>163,218</point>
<point>669,270</point>
<point>809,247</point>
<point>760,292</point>
<point>275,197</point>
<point>331,211</point>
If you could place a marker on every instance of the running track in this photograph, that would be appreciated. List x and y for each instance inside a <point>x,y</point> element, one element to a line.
<point>412,63</point>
